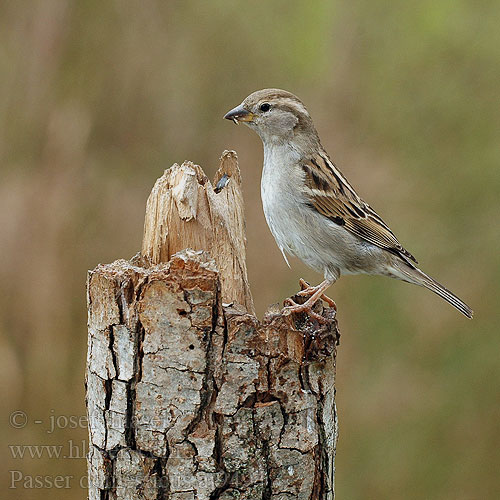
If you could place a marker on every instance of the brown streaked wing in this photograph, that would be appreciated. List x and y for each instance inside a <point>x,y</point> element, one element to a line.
<point>333,197</point>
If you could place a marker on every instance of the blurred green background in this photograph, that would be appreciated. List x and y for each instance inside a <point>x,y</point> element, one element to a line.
<point>98,98</point>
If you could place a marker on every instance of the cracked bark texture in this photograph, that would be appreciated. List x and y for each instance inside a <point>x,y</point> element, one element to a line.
<point>190,397</point>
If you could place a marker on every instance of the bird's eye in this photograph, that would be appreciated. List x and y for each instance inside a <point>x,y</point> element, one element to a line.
<point>265,107</point>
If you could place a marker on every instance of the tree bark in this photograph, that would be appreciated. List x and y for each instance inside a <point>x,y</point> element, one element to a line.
<point>189,396</point>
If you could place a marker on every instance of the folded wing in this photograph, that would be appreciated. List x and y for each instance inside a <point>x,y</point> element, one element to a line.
<point>332,196</point>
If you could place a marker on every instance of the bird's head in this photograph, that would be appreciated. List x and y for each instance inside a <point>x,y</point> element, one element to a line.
<point>276,115</point>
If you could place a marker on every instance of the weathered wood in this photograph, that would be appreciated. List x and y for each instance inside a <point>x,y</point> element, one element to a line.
<point>184,210</point>
<point>191,398</point>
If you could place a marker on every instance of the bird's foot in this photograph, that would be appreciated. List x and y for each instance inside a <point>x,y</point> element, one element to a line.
<point>292,307</point>
<point>308,291</point>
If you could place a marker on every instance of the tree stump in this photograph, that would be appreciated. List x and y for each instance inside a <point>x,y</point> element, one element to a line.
<point>189,396</point>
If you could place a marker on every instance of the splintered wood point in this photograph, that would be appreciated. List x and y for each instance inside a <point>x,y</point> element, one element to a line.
<point>185,210</point>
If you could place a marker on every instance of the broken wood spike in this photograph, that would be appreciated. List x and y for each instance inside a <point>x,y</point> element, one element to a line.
<point>184,211</point>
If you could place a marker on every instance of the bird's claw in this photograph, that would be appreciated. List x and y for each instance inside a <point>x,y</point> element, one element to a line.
<point>308,290</point>
<point>292,307</point>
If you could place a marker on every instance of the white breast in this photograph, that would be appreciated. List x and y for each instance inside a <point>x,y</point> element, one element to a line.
<point>282,200</point>
<point>297,228</point>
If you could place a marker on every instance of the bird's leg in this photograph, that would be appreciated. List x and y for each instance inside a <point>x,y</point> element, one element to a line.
<point>315,293</point>
<point>308,290</point>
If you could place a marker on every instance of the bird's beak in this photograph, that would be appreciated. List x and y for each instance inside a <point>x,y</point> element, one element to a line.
<point>239,114</point>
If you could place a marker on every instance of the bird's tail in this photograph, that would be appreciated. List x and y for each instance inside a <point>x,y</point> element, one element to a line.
<point>418,277</point>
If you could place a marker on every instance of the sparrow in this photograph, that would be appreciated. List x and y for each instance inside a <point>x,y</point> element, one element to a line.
<point>312,210</point>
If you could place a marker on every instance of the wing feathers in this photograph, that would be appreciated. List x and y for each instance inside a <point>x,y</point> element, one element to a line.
<point>332,196</point>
